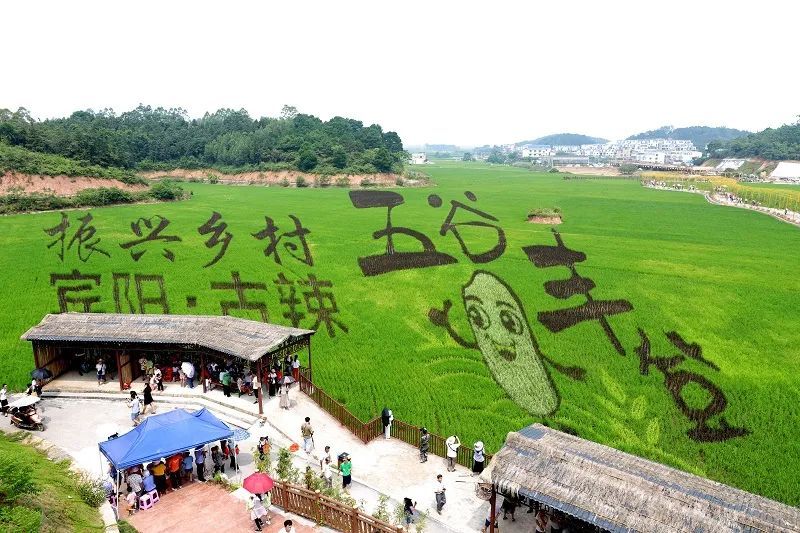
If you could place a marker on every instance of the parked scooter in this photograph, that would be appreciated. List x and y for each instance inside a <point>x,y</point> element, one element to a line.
<point>24,414</point>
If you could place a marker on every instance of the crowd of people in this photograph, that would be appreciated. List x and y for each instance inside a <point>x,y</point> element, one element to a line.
<point>168,474</point>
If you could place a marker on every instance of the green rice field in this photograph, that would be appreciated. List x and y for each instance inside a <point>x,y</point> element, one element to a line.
<point>683,347</point>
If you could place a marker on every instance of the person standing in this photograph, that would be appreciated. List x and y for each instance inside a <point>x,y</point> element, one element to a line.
<point>489,518</point>
<point>386,420</point>
<point>478,458</point>
<point>346,469</point>
<point>188,369</point>
<point>296,368</point>
<point>148,399</point>
<point>509,506</point>
<point>135,409</point>
<point>409,509</point>
<point>101,375</point>
<point>424,444</point>
<point>200,461</point>
<point>159,380</point>
<point>272,381</point>
<point>308,435</point>
<point>284,393</point>
<point>4,400</point>
<point>135,483</point>
<point>188,467</point>
<point>453,444</point>
<point>327,472</point>
<point>174,469</point>
<point>160,475</point>
<point>438,491</point>
<point>257,510</point>
<point>256,387</point>
<point>225,378</point>
<point>218,459</point>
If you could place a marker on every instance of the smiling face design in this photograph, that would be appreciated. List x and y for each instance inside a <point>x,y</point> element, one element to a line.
<point>504,338</point>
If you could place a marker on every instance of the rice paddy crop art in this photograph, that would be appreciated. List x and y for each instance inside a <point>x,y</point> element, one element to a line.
<point>647,320</point>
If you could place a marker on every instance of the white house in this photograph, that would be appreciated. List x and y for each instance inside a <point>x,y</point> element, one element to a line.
<point>418,159</point>
<point>787,171</point>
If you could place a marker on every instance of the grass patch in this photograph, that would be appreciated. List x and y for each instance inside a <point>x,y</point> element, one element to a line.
<point>39,494</point>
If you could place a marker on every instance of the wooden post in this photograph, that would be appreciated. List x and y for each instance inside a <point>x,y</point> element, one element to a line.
<point>354,520</point>
<point>310,378</point>
<point>260,389</point>
<point>317,507</point>
<point>119,370</point>
<point>492,509</point>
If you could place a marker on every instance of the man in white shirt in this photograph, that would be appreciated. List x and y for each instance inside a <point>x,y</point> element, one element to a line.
<point>453,444</point>
<point>438,491</point>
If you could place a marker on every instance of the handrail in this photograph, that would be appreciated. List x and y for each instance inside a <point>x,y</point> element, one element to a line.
<point>403,431</point>
<point>326,511</point>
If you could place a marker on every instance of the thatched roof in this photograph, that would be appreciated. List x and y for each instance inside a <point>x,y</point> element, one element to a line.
<point>621,492</point>
<point>247,339</point>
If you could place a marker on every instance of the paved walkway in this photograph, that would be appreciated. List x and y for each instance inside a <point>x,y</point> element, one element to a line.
<point>204,507</point>
<point>389,467</point>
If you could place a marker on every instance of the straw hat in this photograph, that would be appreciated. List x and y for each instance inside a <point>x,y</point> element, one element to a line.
<point>479,446</point>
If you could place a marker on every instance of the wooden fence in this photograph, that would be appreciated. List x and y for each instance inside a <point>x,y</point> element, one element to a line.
<point>374,428</point>
<point>327,511</point>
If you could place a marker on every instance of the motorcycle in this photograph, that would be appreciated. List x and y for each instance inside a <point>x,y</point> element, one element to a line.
<point>24,415</point>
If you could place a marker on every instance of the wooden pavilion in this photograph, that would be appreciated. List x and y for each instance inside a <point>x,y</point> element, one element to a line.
<point>59,338</point>
<point>616,491</point>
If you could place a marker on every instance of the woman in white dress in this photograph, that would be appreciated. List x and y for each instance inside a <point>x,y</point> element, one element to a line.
<point>284,396</point>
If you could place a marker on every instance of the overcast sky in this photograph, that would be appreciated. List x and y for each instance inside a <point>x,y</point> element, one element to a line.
<point>435,72</point>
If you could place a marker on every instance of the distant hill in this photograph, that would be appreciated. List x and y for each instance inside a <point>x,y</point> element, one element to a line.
<point>699,135</point>
<point>562,139</point>
<point>773,143</point>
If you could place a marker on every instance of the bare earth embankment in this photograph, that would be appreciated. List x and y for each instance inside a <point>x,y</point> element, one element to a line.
<point>591,171</point>
<point>272,177</point>
<point>58,185</point>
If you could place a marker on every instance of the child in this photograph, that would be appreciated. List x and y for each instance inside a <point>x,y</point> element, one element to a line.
<point>130,499</point>
<point>4,400</point>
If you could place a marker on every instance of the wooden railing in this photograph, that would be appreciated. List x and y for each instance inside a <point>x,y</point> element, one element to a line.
<point>326,511</point>
<point>374,428</point>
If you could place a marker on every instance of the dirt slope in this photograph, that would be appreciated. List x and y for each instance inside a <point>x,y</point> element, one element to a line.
<point>58,185</point>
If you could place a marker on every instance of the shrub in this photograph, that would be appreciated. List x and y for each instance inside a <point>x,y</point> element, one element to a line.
<point>166,190</point>
<point>19,518</point>
<point>627,169</point>
<point>285,182</point>
<point>399,181</point>
<point>301,182</point>
<point>91,490</point>
<point>212,178</point>
<point>15,478</point>
<point>366,182</point>
<point>342,181</point>
<point>262,465</point>
<point>285,470</point>
<point>322,181</point>
<point>103,196</point>
<point>382,510</point>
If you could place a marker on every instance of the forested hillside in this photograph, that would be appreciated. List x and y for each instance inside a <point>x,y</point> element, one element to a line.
<point>149,138</point>
<point>699,135</point>
<point>772,143</point>
<point>565,139</point>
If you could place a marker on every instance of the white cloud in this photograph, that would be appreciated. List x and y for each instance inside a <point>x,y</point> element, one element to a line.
<point>455,72</point>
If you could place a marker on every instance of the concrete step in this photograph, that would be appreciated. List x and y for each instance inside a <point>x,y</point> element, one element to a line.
<point>225,413</point>
<point>206,399</point>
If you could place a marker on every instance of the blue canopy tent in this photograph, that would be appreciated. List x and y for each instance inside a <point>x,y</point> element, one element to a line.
<point>164,435</point>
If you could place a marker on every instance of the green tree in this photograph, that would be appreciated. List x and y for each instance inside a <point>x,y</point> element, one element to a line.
<point>467,156</point>
<point>307,160</point>
<point>383,160</point>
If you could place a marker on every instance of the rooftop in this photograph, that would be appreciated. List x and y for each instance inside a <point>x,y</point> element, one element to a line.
<point>621,492</point>
<point>247,339</point>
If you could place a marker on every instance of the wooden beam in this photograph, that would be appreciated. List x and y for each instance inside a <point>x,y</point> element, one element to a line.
<point>492,509</point>
<point>260,388</point>
<point>119,370</point>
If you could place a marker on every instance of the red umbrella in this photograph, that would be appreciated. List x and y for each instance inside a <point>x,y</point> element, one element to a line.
<point>258,483</point>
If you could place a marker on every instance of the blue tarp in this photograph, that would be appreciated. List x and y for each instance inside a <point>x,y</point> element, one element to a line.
<point>164,435</point>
